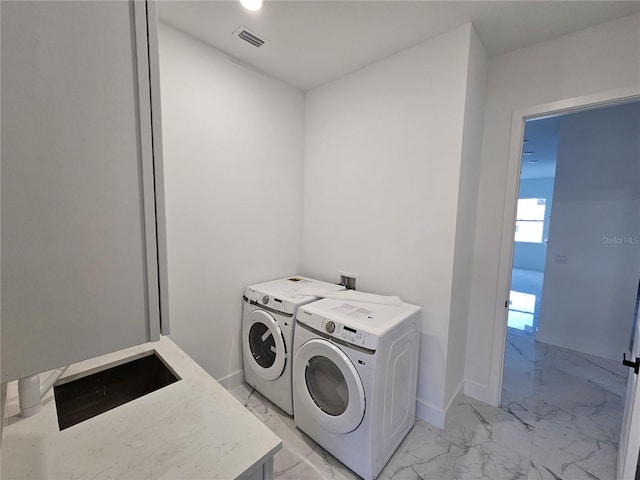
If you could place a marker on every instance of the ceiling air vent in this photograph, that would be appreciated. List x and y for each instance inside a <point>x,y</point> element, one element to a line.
<point>250,37</point>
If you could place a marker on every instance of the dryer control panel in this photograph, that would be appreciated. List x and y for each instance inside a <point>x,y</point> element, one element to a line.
<point>339,330</point>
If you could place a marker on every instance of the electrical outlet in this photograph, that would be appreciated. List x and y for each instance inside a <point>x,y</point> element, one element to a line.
<point>561,259</point>
<point>349,280</point>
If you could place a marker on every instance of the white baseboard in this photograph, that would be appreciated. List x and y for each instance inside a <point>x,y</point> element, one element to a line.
<point>434,415</point>
<point>453,397</point>
<point>232,380</point>
<point>479,392</point>
<point>427,412</point>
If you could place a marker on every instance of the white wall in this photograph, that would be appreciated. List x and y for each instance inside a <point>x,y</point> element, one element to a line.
<point>465,223</point>
<point>3,387</point>
<point>233,143</point>
<point>593,60</point>
<point>383,150</point>
<point>588,302</point>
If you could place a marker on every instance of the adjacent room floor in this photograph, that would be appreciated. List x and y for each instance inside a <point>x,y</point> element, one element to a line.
<point>560,419</point>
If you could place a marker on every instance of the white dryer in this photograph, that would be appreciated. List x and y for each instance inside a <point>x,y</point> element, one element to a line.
<point>355,375</point>
<point>268,320</point>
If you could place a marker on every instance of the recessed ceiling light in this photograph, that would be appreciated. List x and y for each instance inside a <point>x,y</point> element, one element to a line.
<point>252,5</point>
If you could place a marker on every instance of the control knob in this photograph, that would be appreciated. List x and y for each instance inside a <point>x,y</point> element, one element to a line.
<point>265,299</point>
<point>330,326</point>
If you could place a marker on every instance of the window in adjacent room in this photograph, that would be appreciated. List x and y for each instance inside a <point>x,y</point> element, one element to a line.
<point>530,219</point>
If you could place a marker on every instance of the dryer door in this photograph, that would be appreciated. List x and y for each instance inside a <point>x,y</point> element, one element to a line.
<point>329,386</point>
<point>263,345</point>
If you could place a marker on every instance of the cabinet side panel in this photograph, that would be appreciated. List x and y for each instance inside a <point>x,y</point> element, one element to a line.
<point>73,254</point>
<point>158,163</point>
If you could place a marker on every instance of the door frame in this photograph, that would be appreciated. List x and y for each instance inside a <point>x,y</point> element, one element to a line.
<point>629,438</point>
<point>505,262</point>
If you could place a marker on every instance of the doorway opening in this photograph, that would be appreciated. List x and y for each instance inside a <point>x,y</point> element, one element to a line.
<point>533,218</point>
<point>573,288</point>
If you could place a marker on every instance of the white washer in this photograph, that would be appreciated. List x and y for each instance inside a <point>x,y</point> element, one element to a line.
<point>268,320</point>
<point>355,374</point>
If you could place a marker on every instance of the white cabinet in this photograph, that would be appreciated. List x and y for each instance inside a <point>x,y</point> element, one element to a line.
<point>83,265</point>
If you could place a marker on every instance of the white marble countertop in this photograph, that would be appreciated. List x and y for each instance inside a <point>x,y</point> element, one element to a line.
<point>191,429</point>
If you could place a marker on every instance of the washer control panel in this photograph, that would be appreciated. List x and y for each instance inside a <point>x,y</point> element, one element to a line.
<point>338,330</point>
<point>269,301</point>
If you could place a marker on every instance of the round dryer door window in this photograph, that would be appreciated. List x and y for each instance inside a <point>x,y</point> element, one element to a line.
<point>326,385</point>
<point>263,345</point>
<point>329,386</point>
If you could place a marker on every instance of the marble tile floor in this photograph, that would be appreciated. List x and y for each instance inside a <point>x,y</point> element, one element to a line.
<point>560,419</point>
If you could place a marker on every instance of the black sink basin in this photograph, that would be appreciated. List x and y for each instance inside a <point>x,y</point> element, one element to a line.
<point>78,399</point>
